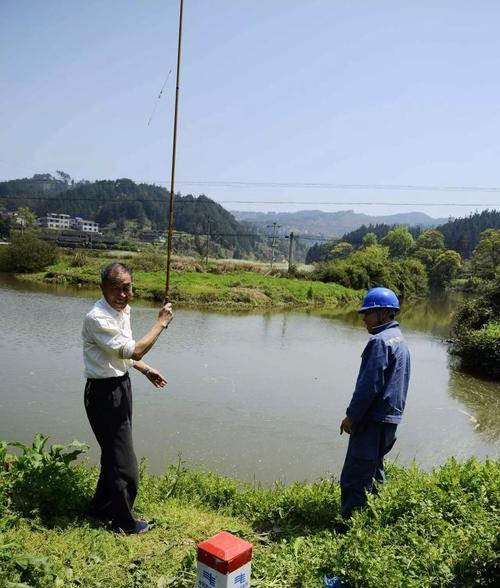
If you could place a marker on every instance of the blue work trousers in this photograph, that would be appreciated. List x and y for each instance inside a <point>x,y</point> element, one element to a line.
<point>364,462</point>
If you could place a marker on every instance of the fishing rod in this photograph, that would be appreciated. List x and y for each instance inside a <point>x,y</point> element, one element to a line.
<point>174,148</point>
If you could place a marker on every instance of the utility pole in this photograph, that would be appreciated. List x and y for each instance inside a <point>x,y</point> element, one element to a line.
<point>208,239</point>
<point>275,227</point>
<point>290,251</point>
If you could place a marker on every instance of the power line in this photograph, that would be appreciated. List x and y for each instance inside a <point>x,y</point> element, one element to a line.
<point>212,202</point>
<point>315,185</point>
<point>326,185</point>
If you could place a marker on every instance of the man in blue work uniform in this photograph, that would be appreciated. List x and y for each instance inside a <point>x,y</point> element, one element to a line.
<point>378,400</point>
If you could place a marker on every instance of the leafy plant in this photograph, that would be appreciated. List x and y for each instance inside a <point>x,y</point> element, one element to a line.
<point>42,482</point>
<point>19,569</point>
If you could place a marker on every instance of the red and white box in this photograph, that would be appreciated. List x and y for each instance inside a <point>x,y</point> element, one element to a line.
<point>224,561</point>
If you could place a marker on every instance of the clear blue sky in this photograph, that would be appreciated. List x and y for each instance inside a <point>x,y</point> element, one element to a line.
<point>286,91</point>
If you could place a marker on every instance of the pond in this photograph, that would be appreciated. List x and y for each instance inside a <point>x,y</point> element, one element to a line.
<point>258,396</point>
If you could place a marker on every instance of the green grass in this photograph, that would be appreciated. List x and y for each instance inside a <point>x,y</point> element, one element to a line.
<point>214,288</point>
<point>424,529</point>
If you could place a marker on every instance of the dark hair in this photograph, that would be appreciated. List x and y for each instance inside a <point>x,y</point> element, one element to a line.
<point>111,268</point>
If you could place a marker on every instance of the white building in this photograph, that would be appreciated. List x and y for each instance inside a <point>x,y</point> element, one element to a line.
<point>54,220</point>
<point>84,225</point>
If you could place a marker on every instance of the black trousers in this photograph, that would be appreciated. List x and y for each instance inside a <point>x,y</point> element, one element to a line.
<point>108,403</point>
<point>368,444</point>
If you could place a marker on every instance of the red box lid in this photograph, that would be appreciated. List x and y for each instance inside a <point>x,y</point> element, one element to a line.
<point>224,552</point>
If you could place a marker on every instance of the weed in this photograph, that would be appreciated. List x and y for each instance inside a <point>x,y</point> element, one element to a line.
<point>423,529</point>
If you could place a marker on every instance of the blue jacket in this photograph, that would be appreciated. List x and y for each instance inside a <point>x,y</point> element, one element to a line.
<point>382,384</point>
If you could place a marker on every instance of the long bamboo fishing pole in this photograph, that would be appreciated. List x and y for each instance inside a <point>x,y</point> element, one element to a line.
<point>174,149</point>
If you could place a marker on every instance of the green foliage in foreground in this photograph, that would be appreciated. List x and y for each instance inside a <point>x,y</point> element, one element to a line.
<point>424,529</point>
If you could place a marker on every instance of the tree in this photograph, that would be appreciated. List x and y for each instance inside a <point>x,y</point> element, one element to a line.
<point>370,239</point>
<point>341,250</point>
<point>445,269</point>
<point>399,241</point>
<point>486,256</point>
<point>27,253</point>
<point>66,178</point>
<point>5,226</point>
<point>428,247</point>
<point>28,217</point>
<point>430,239</point>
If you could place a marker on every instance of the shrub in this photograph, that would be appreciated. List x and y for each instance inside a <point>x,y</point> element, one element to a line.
<point>27,253</point>
<point>372,266</point>
<point>41,482</point>
<point>480,349</point>
<point>477,332</point>
<point>409,278</point>
<point>79,259</point>
<point>149,260</point>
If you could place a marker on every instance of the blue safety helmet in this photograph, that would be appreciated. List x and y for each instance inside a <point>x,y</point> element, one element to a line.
<point>379,298</point>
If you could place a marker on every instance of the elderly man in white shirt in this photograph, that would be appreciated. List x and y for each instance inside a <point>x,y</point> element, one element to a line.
<point>109,351</point>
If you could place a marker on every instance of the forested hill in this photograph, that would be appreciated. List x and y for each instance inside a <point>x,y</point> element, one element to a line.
<point>461,234</point>
<point>117,201</point>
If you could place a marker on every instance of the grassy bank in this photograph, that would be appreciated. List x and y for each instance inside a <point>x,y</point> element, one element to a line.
<point>219,285</point>
<point>424,529</point>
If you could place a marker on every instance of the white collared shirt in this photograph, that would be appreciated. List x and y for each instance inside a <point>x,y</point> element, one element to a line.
<point>107,341</point>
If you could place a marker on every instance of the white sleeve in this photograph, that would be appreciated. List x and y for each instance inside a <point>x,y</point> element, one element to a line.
<point>109,338</point>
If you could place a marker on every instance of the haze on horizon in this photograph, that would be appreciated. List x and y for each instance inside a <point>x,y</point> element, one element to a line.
<point>280,102</point>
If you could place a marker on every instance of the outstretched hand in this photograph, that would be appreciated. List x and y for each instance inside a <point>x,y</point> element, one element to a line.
<point>155,378</point>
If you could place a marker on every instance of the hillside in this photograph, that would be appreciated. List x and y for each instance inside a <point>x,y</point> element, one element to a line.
<point>332,224</point>
<point>114,202</point>
<point>460,234</point>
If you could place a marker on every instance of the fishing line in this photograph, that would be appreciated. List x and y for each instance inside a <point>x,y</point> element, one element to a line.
<point>159,96</point>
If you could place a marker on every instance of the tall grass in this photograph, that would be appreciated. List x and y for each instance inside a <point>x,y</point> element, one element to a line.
<point>423,529</point>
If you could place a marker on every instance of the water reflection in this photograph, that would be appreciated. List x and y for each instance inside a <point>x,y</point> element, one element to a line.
<point>481,400</point>
<point>433,315</point>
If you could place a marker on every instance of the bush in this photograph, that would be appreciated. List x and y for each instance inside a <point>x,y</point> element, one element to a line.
<point>409,278</point>
<point>79,259</point>
<point>372,266</point>
<point>150,260</point>
<point>480,349</point>
<point>27,253</point>
<point>41,482</point>
<point>477,332</point>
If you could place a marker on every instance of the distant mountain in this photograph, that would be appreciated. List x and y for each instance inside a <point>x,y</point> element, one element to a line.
<point>332,224</point>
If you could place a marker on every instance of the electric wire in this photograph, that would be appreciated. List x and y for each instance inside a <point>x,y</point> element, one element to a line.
<point>316,185</point>
<point>212,202</point>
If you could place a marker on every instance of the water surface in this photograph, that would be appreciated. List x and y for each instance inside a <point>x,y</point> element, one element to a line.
<point>256,396</point>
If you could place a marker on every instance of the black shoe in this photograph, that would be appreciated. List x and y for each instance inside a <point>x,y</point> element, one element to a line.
<point>139,527</point>
<point>340,528</point>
